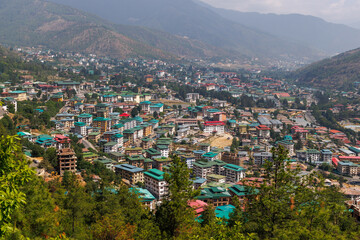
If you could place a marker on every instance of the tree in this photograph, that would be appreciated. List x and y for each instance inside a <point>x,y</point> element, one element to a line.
<point>304,208</point>
<point>174,216</point>
<point>134,112</point>
<point>299,145</point>
<point>208,217</point>
<point>11,108</point>
<point>155,115</point>
<point>14,173</point>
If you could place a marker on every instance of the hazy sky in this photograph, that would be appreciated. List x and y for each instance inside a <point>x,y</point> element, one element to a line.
<point>341,11</point>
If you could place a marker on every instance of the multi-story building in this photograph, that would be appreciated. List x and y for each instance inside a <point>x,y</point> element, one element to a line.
<point>214,127</point>
<point>85,118</point>
<point>133,151</point>
<point>80,128</point>
<point>288,145</point>
<point>103,123</point>
<point>348,168</point>
<point>233,173</point>
<point>263,131</point>
<point>110,147</point>
<point>146,198</point>
<point>216,196</point>
<point>157,107</point>
<point>211,156</point>
<point>155,183</point>
<point>67,160</point>
<point>163,149</point>
<point>231,158</point>
<point>189,159</point>
<point>326,156</point>
<point>261,157</point>
<point>130,173</point>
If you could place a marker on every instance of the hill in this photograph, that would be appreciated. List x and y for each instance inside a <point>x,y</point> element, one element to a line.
<point>339,72</point>
<point>192,20</point>
<point>308,30</point>
<point>36,22</point>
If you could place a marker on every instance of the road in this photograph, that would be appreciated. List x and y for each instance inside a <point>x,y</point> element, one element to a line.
<point>88,144</point>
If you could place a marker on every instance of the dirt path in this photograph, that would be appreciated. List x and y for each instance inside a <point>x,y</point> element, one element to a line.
<point>221,141</point>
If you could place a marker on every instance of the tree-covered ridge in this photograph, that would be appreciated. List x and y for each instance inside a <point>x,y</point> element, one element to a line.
<point>12,67</point>
<point>339,72</point>
<point>285,206</point>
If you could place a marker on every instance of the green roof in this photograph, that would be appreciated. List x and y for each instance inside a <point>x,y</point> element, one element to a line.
<point>241,190</point>
<point>234,167</point>
<point>155,173</point>
<point>213,193</point>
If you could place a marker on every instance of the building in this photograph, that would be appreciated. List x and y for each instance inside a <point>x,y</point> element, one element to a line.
<point>157,107</point>
<point>288,145</point>
<point>231,158</point>
<point>80,128</point>
<point>130,173</point>
<point>67,160</point>
<point>211,156</point>
<point>261,157</point>
<point>348,168</point>
<point>216,196</point>
<point>263,131</point>
<point>189,159</point>
<point>155,183</point>
<point>214,127</point>
<point>103,123</point>
<point>110,147</point>
<point>146,198</point>
<point>85,118</point>
<point>326,156</point>
<point>234,173</point>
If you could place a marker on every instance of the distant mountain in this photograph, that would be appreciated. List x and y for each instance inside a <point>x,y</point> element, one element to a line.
<point>37,22</point>
<point>311,31</point>
<point>339,72</point>
<point>192,20</point>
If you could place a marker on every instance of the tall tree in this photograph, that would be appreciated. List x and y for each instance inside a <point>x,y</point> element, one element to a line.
<point>174,216</point>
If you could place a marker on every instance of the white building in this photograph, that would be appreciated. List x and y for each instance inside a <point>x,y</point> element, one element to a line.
<point>155,183</point>
<point>80,128</point>
<point>214,127</point>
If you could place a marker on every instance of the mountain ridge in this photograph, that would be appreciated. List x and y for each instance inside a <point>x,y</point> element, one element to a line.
<point>186,18</point>
<point>37,22</point>
<point>338,72</point>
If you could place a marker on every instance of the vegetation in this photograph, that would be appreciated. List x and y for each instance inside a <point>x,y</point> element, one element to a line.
<point>106,209</point>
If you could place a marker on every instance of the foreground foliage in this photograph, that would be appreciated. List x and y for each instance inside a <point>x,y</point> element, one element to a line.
<point>287,206</point>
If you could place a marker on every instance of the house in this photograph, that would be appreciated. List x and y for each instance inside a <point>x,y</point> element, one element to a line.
<point>242,192</point>
<point>130,173</point>
<point>103,123</point>
<point>155,183</point>
<point>214,127</point>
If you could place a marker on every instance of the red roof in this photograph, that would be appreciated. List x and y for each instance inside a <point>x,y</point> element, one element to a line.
<point>214,123</point>
<point>124,115</point>
<point>335,161</point>
<point>262,127</point>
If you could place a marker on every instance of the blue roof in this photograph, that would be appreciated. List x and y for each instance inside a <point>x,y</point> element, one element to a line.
<point>224,211</point>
